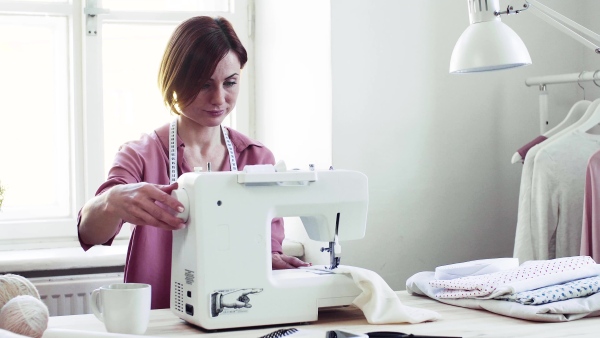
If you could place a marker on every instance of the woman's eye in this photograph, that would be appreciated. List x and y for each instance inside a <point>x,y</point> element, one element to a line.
<point>205,86</point>
<point>230,83</point>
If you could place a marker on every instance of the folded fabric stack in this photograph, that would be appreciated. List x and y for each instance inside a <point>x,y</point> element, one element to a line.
<point>561,289</point>
<point>555,293</point>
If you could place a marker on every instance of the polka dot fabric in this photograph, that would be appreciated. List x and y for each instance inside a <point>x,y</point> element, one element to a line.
<point>555,293</point>
<point>482,286</point>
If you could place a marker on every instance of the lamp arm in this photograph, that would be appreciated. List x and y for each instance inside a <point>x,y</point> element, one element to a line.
<point>566,25</point>
<point>559,22</point>
<point>511,10</point>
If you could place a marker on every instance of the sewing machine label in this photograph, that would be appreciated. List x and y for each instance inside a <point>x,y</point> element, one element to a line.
<point>189,277</point>
<point>231,301</point>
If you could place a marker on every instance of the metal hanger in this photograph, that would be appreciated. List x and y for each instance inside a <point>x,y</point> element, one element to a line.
<point>594,78</point>
<point>579,84</point>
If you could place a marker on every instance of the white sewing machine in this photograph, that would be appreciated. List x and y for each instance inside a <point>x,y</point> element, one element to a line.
<point>221,274</point>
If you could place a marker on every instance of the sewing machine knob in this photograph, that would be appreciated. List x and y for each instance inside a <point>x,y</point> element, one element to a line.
<point>280,166</point>
<point>183,198</point>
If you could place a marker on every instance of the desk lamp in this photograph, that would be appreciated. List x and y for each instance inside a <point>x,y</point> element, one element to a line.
<point>488,44</point>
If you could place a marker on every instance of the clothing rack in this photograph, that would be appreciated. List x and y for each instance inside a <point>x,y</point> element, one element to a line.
<point>542,81</point>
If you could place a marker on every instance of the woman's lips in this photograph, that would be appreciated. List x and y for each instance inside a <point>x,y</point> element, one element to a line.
<point>215,113</point>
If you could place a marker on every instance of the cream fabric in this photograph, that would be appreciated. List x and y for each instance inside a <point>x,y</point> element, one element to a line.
<point>379,302</point>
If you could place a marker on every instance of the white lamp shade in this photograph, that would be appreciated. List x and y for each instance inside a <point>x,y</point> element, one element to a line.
<point>487,46</point>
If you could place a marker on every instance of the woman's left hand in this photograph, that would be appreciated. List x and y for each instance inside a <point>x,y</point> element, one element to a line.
<point>281,261</point>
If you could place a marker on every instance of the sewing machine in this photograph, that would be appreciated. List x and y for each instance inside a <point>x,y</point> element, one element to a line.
<point>221,274</point>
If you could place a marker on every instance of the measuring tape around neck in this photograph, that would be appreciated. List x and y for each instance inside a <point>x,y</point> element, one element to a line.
<point>173,151</point>
<point>229,145</point>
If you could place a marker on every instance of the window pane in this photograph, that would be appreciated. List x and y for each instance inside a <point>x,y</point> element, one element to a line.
<point>168,5</point>
<point>34,131</point>
<point>37,0</point>
<point>132,101</point>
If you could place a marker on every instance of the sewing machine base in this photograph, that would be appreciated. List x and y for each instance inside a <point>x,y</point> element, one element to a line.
<point>293,296</point>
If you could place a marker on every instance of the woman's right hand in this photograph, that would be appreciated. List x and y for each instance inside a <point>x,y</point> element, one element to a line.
<point>135,203</point>
<point>145,204</point>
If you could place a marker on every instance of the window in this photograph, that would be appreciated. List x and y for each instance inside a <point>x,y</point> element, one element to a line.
<point>79,78</point>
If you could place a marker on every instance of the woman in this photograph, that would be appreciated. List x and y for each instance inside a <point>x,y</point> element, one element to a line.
<point>199,80</point>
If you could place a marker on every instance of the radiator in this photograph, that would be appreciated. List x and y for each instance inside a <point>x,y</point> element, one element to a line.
<point>71,295</point>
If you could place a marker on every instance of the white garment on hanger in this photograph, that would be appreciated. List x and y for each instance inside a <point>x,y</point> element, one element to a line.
<point>557,191</point>
<point>593,119</point>
<point>574,115</point>
<point>524,248</point>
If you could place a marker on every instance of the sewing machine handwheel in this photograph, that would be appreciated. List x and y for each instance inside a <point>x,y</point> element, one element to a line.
<point>182,197</point>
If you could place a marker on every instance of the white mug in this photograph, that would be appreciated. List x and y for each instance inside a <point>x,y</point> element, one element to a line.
<point>123,307</point>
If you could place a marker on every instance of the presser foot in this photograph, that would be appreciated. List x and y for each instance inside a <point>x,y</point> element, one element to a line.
<point>334,260</point>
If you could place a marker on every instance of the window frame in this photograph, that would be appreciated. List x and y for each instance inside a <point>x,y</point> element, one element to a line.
<point>86,129</point>
<point>34,232</point>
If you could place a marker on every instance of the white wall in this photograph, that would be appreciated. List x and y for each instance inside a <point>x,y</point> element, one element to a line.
<point>436,147</point>
<point>293,82</point>
<point>591,60</point>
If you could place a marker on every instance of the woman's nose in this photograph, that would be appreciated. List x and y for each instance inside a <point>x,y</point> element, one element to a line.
<point>218,96</point>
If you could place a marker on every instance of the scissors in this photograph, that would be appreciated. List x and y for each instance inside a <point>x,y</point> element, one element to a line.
<point>391,334</point>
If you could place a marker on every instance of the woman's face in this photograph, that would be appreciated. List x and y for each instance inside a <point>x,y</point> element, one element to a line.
<point>217,97</point>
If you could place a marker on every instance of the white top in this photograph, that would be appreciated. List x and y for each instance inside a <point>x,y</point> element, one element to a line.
<point>557,191</point>
<point>523,249</point>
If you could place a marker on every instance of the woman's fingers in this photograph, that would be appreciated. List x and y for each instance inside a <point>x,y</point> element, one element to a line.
<point>147,204</point>
<point>167,200</point>
<point>281,261</point>
<point>295,261</point>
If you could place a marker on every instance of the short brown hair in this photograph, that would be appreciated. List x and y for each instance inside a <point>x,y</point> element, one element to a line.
<point>191,57</point>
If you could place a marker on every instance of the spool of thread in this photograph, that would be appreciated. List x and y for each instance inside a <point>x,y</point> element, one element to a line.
<point>15,285</point>
<point>8,334</point>
<point>25,315</point>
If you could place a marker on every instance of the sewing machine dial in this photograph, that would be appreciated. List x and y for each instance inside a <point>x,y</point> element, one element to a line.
<point>182,196</point>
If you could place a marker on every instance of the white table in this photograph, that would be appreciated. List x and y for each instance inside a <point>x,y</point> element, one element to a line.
<point>456,321</point>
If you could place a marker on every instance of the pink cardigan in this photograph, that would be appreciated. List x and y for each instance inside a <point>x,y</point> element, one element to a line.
<point>590,230</point>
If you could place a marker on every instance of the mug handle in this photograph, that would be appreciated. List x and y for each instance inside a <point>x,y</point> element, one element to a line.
<point>95,306</point>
